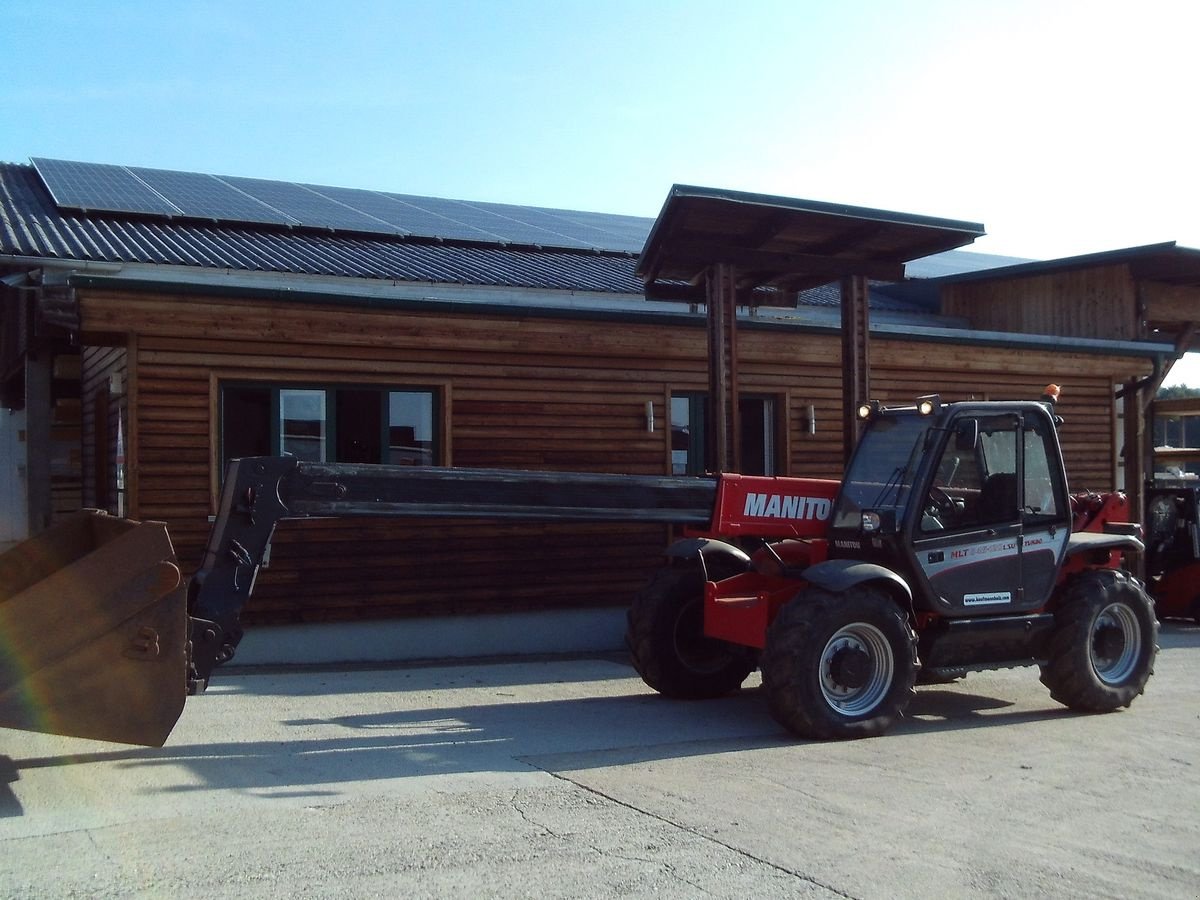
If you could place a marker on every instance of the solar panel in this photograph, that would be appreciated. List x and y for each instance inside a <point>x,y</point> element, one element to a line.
<point>561,223</point>
<point>92,186</point>
<point>625,232</point>
<point>414,214</point>
<point>206,197</point>
<point>519,226</point>
<point>311,208</point>
<point>108,188</point>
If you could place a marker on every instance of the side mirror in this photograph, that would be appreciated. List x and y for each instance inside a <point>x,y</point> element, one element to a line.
<point>966,435</point>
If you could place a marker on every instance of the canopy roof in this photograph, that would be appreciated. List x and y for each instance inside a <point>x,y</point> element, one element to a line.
<point>784,242</point>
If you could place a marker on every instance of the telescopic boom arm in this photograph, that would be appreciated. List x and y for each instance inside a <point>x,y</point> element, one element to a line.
<point>261,491</point>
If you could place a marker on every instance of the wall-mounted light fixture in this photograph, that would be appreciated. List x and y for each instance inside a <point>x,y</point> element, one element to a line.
<point>650,416</point>
<point>812,419</point>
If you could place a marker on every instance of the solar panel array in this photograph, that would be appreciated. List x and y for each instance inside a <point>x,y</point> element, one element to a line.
<point>94,187</point>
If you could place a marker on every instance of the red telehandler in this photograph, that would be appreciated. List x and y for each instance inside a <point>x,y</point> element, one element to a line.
<point>951,544</point>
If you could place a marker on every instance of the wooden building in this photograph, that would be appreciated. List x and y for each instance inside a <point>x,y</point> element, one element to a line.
<point>159,344</point>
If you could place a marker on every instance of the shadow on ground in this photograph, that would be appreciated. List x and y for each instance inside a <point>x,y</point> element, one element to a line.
<point>512,725</point>
<point>498,736</point>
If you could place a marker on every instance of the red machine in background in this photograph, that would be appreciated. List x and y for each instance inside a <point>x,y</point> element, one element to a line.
<point>1173,550</point>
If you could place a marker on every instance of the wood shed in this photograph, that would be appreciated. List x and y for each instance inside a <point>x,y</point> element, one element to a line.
<point>157,343</point>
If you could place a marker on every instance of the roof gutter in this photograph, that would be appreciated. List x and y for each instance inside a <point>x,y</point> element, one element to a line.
<point>58,262</point>
<point>1050,342</point>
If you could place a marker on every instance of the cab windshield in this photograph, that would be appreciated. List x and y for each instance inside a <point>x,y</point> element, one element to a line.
<point>881,473</point>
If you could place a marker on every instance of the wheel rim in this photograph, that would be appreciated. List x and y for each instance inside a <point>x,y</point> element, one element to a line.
<point>1116,643</point>
<point>856,669</point>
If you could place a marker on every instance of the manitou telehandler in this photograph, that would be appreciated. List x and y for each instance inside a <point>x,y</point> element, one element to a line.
<point>951,544</point>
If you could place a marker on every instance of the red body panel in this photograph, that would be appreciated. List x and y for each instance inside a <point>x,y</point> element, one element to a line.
<point>794,511</point>
<point>740,609</point>
<point>1177,593</point>
<point>1091,512</point>
<point>771,507</point>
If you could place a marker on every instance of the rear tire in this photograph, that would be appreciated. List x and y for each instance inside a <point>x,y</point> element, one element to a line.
<point>1105,639</point>
<point>840,665</point>
<point>667,642</point>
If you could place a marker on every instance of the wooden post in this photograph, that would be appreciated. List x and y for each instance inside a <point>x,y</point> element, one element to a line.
<point>856,357</point>
<point>721,291</point>
<point>1135,456</point>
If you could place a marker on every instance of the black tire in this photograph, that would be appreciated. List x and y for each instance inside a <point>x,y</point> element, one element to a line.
<point>1105,639</point>
<point>840,665</point>
<point>667,643</point>
<point>1196,610</point>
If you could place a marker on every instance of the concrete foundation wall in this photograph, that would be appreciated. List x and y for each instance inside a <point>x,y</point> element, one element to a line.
<point>512,634</point>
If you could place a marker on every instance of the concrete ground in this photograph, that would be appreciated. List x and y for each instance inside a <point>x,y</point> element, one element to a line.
<point>569,778</point>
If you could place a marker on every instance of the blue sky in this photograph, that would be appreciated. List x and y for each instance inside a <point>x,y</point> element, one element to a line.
<point>1064,127</point>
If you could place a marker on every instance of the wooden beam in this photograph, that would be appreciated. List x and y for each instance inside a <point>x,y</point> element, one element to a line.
<point>1169,304</point>
<point>721,283</point>
<point>856,357</point>
<point>768,229</point>
<point>1136,455</point>
<point>676,290</point>
<point>699,254</point>
<point>1183,342</point>
<point>1177,406</point>
<point>38,414</point>
<point>851,237</point>
<point>1177,454</point>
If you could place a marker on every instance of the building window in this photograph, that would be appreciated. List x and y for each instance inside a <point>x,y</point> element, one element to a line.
<point>336,424</point>
<point>758,426</point>
<point>756,419</point>
<point>302,424</point>
<point>687,434</point>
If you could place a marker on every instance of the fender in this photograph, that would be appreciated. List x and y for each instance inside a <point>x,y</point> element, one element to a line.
<point>1124,539</point>
<point>716,557</point>
<point>839,575</point>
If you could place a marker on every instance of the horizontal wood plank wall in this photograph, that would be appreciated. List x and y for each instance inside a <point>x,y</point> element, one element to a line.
<point>901,371</point>
<point>527,392</point>
<point>1094,303</point>
<point>1169,306</point>
<point>1000,373</point>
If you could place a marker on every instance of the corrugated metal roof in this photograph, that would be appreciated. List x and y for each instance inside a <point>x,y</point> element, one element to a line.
<point>1165,262</point>
<point>32,226</point>
<point>830,295</point>
<point>957,262</point>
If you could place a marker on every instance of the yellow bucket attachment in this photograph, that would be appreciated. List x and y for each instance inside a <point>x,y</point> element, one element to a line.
<point>93,631</point>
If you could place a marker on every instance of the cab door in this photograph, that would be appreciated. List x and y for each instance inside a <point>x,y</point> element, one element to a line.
<point>1045,509</point>
<point>990,535</point>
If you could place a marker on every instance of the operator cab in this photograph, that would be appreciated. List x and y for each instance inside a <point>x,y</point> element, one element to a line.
<point>967,502</point>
